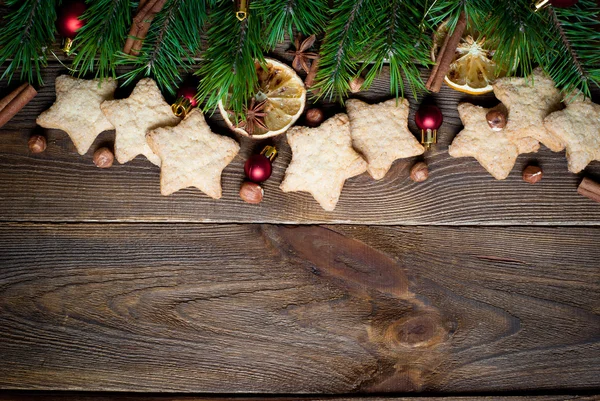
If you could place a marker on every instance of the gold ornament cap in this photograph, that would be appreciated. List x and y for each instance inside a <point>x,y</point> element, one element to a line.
<point>428,138</point>
<point>181,107</point>
<point>241,9</point>
<point>270,152</point>
<point>67,45</point>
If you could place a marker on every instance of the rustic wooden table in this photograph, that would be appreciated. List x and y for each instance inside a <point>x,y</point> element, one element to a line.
<point>461,284</point>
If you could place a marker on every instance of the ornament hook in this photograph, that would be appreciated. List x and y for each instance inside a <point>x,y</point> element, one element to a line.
<point>241,9</point>
<point>540,4</point>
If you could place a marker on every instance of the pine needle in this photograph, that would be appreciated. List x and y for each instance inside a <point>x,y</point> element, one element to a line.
<point>172,41</point>
<point>99,41</point>
<point>28,31</point>
<point>228,70</point>
<point>572,56</point>
<point>346,37</point>
<point>397,40</point>
<point>281,17</point>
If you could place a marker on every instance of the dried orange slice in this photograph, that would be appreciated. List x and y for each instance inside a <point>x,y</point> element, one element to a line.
<point>284,97</point>
<point>472,70</point>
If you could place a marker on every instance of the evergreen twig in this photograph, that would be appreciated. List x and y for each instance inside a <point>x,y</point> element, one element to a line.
<point>228,71</point>
<point>282,17</point>
<point>397,40</point>
<point>346,37</point>
<point>571,57</point>
<point>517,35</point>
<point>101,38</point>
<point>29,30</point>
<point>174,38</point>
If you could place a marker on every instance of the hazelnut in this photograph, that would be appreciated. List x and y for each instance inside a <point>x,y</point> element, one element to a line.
<point>419,172</point>
<point>37,143</point>
<point>356,84</point>
<point>251,192</point>
<point>496,119</point>
<point>103,158</point>
<point>532,174</point>
<point>314,117</point>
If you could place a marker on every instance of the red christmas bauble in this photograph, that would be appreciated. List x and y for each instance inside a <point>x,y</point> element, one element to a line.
<point>429,117</point>
<point>563,3</point>
<point>67,21</point>
<point>258,168</point>
<point>189,92</point>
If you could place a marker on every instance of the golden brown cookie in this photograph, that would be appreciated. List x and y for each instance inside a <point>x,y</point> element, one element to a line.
<point>380,132</point>
<point>144,110</point>
<point>77,109</point>
<point>529,100</point>
<point>322,160</point>
<point>192,155</point>
<point>494,150</point>
<point>578,127</point>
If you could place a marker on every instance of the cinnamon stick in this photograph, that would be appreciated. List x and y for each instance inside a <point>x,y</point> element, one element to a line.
<point>147,10</point>
<point>589,189</point>
<point>15,101</point>
<point>446,55</point>
<point>7,99</point>
<point>312,73</point>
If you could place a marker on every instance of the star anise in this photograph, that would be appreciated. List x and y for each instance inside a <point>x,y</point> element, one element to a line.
<point>301,55</point>
<point>255,117</point>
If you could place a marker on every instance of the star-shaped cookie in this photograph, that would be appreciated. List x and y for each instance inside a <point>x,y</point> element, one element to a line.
<point>322,160</point>
<point>77,109</point>
<point>380,132</point>
<point>192,155</point>
<point>494,150</point>
<point>578,127</point>
<point>529,101</point>
<point>144,110</point>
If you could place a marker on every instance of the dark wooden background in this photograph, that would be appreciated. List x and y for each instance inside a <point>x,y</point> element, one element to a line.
<point>458,285</point>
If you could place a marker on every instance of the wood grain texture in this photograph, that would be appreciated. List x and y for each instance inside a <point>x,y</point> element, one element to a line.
<point>276,309</point>
<point>60,185</point>
<point>75,396</point>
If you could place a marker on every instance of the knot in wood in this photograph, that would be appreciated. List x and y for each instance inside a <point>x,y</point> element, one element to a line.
<point>416,331</point>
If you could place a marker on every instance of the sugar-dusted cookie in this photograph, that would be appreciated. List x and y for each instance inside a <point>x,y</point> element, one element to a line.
<point>380,132</point>
<point>529,100</point>
<point>143,110</point>
<point>322,160</point>
<point>494,150</point>
<point>578,127</point>
<point>77,109</point>
<point>192,155</point>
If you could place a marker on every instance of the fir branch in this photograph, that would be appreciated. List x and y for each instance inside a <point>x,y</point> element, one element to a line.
<point>345,39</point>
<point>101,38</point>
<point>449,11</point>
<point>396,39</point>
<point>283,17</point>
<point>29,30</point>
<point>517,34</point>
<point>571,57</point>
<point>174,38</point>
<point>229,71</point>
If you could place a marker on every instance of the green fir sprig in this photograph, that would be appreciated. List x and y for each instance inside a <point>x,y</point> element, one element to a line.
<point>400,38</point>
<point>98,42</point>
<point>346,37</point>
<point>281,17</point>
<point>228,70</point>
<point>572,56</point>
<point>360,37</point>
<point>172,42</point>
<point>517,35</point>
<point>29,30</point>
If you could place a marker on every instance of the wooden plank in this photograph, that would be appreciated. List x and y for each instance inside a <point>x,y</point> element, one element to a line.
<point>74,396</point>
<point>279,309</point>
<point>60,185</point>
